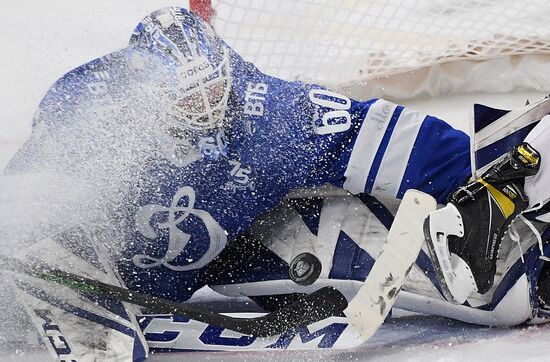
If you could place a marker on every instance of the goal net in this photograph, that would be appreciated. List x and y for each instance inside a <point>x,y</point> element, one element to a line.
<point>438,46</point>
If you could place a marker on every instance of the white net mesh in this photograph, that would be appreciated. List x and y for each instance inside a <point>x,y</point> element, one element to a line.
<point>337,42</point>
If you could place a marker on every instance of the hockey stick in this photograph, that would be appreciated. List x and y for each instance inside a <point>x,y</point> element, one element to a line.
<point>321,304</point>
<point>370,307</point>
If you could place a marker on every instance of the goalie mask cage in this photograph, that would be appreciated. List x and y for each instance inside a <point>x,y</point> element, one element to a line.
<point>392,48</point>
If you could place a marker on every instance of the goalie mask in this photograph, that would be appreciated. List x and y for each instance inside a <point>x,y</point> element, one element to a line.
<point>200,79</point>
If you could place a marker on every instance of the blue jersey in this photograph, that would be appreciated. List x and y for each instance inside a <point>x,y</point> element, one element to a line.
<point>195,194</point>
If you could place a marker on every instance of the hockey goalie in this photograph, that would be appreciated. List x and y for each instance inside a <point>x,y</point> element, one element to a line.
<point>173,165</point>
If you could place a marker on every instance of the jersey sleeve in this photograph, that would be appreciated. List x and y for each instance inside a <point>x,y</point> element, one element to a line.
<point>398,149</point>
<point>383,149</point>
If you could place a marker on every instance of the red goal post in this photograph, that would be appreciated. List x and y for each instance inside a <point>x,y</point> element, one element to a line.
<point>395,48</point>
<point>203,8</point>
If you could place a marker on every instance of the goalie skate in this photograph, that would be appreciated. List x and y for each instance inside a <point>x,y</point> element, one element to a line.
<point>464,237</point>
<point>456,276</point>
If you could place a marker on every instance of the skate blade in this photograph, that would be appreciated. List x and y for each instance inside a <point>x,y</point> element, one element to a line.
<point>457,280</point>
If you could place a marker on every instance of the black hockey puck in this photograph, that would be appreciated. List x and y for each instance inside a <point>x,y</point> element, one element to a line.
<point>304,269</point>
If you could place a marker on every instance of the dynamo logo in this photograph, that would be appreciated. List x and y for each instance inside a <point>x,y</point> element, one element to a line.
<point>181,207</point>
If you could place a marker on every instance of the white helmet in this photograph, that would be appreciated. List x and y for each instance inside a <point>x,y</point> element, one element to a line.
<point>202,80</point>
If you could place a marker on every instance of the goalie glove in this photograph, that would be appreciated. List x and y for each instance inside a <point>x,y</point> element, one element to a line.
<point>464,236</point>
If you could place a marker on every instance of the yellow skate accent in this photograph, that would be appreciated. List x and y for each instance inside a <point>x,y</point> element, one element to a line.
<point>506,205</point>
<point>532,158</point>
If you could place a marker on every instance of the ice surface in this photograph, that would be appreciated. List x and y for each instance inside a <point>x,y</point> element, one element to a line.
<point>41,40</point>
